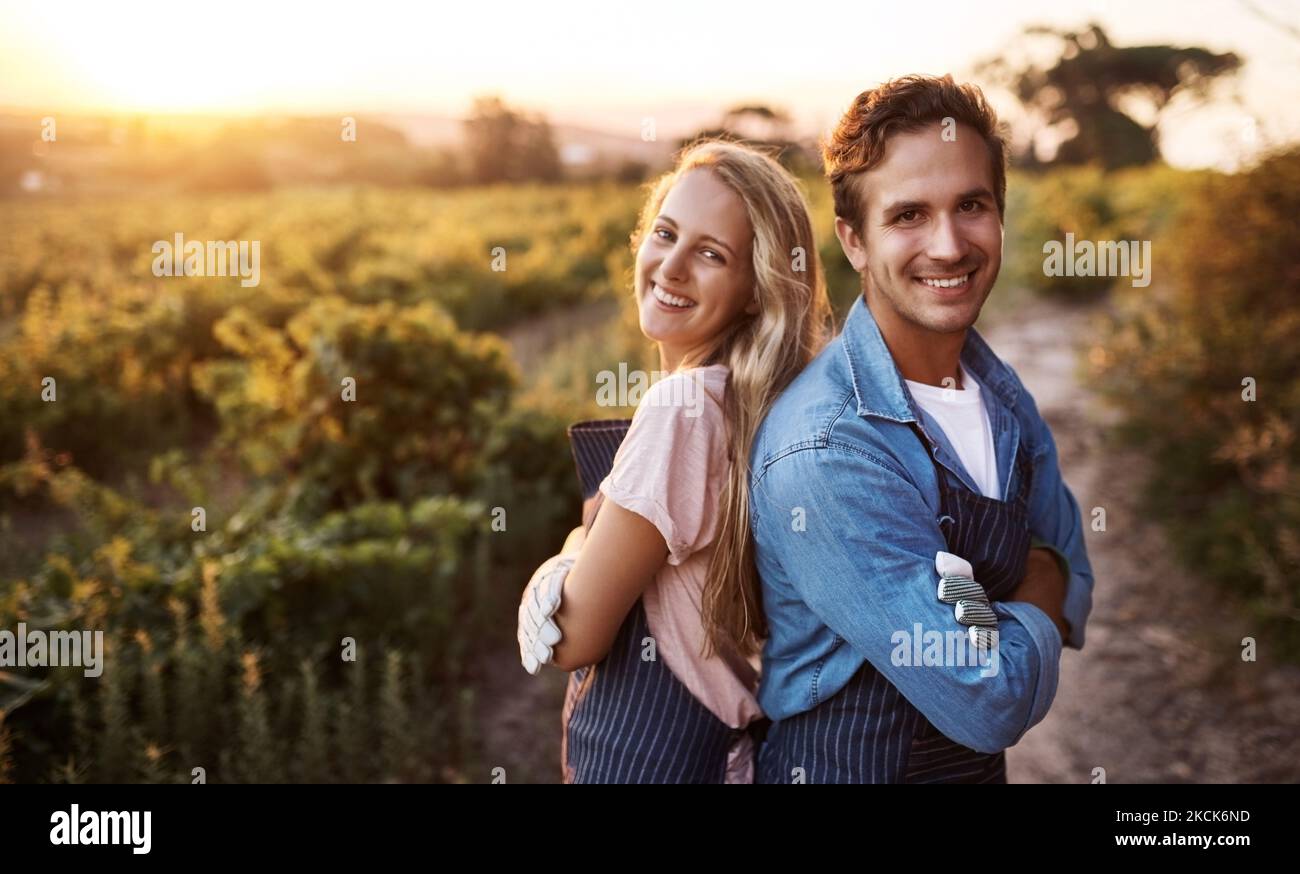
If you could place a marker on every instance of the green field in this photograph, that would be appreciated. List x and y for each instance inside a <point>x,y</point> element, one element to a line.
<point>232,481</point>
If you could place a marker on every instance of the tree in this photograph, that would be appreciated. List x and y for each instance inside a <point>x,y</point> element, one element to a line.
<point>1080,97</point>
<point>507,146</point>
<point>763,126</point>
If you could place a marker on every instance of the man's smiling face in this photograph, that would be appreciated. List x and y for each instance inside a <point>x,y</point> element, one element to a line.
<point>930,246</point>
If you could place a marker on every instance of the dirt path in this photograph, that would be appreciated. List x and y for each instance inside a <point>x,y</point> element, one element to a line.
<point>1158,694</point>
<point>519,718</point>
<point>530,341</point>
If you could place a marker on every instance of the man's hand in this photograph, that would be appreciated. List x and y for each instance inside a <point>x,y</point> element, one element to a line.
<point>1044,587</point>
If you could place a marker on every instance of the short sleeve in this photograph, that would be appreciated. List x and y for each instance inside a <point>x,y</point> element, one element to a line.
<point>671,466</point>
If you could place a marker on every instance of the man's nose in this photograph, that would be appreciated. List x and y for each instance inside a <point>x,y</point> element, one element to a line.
<point>947,243</point>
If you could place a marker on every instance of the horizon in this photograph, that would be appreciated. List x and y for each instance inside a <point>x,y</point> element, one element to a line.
<point>543,61</point>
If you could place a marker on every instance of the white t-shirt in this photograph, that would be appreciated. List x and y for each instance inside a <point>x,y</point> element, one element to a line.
<point>962,416</point>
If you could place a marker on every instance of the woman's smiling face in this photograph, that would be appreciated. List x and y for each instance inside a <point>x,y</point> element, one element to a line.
<point>694,269</point>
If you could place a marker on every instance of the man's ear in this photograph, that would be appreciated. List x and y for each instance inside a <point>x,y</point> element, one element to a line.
<point>854,248</point>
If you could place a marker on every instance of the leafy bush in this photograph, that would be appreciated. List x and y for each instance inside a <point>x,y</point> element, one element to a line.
<point>362,402</point>
<point>1176,359</point>
<point>225,647</point>
<point>1134,204</point>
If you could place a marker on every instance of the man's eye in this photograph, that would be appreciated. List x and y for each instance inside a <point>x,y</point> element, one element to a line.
<point>908,215</point>
<point>972,204</point>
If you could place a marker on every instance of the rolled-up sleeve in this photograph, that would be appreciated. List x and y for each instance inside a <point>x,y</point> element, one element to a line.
<point>857,542</point>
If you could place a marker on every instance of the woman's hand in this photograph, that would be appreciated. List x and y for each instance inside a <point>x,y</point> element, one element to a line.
<point>587,590</point>
<point>536,630</point>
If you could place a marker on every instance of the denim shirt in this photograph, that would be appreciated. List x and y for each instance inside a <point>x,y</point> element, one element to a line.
<point>844,501</point>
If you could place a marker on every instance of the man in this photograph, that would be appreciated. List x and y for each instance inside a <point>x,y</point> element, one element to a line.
<point>904,488</point>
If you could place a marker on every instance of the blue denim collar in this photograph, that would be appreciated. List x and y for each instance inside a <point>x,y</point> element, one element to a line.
<point>879,386</point>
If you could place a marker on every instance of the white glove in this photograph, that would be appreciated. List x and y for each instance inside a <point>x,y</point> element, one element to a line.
<point>537,632</point>
<point>958,588</point>
<point>949,565</point>
<point>956,579</point>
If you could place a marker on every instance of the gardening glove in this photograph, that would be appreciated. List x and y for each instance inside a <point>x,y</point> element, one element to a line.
<point>537,632</point>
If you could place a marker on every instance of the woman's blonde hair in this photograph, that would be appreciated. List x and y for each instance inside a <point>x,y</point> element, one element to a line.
<point>763,352</point>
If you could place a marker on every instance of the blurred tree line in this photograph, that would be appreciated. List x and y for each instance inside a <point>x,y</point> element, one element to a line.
<point>497,144</point>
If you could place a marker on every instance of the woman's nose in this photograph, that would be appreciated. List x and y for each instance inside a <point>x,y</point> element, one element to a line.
<point>676,264</point>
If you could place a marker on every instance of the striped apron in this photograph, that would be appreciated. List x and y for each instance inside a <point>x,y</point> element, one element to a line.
<point>628,719</point>
<point>868,732</point>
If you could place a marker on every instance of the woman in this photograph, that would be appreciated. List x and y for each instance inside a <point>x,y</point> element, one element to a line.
<point>657,609</point>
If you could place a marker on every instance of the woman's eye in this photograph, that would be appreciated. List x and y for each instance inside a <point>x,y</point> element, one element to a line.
<point>709,253</point>
<point>664,234</point>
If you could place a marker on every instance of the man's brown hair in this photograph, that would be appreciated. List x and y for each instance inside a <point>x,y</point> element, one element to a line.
<point>906,104</point>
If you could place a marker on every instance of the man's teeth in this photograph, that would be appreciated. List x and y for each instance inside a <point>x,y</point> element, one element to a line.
<point>946,283</point>
<point>670,299</point>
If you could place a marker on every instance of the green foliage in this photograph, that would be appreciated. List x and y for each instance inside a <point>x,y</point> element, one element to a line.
<point>1174,360</point>
<point>326,517</point>
<point>364,402</point>
<point>116,368</point>
<point>1093,205</point>
<point>209,648</point>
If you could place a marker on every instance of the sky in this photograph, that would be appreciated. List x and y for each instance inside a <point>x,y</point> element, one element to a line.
<point>599,64</point>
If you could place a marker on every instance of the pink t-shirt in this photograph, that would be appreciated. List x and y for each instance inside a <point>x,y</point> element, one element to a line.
<point>671,469</point>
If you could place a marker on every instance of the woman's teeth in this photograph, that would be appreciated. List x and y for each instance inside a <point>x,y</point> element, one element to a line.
<point>671,299</point>
<point>946,283</point>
